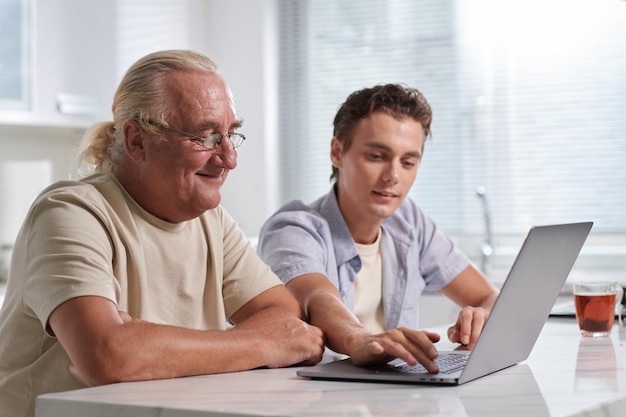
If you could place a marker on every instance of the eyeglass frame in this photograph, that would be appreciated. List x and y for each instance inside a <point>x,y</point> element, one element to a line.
<point>215,137</point>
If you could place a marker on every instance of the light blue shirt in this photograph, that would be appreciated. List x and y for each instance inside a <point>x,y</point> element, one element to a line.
<point>416,256</point>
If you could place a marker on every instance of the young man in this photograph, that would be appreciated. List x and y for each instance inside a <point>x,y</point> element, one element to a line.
<point>358,258</point>
<point>135,272</point>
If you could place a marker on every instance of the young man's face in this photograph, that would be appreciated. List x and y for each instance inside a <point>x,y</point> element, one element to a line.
<point>378,169</point>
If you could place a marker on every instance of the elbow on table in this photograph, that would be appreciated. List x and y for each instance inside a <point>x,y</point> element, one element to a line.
<point>113,365</point>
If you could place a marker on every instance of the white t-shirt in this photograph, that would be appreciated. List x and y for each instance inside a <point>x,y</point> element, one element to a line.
<point>368,288</point>
<point>90,238</point>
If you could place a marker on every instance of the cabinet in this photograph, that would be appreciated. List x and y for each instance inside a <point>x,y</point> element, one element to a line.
<point>75,50</point>
<point>72,63</point>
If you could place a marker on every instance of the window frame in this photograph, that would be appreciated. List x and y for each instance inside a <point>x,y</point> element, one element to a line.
<point>603,256</point>
<point>21,46</point>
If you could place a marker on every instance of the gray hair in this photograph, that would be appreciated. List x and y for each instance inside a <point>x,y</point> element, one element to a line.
<point>143,96</point>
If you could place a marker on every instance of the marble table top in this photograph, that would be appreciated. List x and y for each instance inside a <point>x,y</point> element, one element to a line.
<point>565,375</point>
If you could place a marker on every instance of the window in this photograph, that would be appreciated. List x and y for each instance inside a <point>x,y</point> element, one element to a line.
<point>528,99</point>
<point>14,55</point>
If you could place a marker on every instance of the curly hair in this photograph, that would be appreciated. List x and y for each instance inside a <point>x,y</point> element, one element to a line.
<point>396,100</point>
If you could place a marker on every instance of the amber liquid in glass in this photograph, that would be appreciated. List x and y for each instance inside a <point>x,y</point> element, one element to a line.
<point>595,313</point>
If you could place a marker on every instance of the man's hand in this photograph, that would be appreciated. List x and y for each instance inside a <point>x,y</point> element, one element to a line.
<point>468,326</point>
<point>291,341</point>
<point>476,295</point>
<point>412,346</point>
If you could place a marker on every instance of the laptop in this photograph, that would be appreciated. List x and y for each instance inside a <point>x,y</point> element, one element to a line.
<point>532,287</point>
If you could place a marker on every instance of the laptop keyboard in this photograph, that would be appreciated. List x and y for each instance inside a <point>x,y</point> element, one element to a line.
<point>447,363</point>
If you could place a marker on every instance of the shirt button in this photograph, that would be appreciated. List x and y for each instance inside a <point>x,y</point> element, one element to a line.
<point>355,263</point>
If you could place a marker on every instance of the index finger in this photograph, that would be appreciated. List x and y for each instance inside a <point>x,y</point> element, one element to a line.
<point>423,348</point>
<point>465,326</point>
<point>478,323</point>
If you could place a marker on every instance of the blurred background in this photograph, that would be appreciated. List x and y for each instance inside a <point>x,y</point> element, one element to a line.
<point>529,101</point>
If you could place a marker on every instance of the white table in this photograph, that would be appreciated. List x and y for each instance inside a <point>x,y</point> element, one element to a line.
<point>565,375</point>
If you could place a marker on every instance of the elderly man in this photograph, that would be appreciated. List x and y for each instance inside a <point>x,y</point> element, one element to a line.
<point>136,272</point>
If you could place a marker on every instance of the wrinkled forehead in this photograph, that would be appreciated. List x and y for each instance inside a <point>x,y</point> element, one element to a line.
<point>201,95</point>
<point>231,99</point>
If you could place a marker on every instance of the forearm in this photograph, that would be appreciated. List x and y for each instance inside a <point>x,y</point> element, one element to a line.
<point>106,346</point>
<point>141,350</point>
<point>324,307</point>
<point>471,289</point>
<point>269,315</point>
<point>339,324</point>
<point>488,301</point>
<point>346,335</point>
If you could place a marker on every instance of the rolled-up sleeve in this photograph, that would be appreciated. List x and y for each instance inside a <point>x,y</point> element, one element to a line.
<point>294,242</point>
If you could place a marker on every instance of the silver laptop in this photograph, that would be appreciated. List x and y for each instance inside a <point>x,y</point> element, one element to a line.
<point>532,287</point>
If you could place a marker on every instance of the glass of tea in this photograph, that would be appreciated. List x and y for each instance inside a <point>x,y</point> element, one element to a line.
<point>596,304</point>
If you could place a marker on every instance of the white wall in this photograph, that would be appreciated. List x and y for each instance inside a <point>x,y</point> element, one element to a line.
<point>242,39</point>
<point>83,47</point>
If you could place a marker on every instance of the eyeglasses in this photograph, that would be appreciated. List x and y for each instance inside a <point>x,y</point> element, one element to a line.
<point>210,141</point>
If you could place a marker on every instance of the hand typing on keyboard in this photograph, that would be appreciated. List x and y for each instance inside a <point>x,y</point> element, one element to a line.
<point>448,362</point>
<point>412,346</point>
<point>416,347</point>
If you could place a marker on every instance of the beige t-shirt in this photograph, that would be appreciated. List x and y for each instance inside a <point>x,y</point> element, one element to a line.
<point>91,238</point>
<point>368,288</point>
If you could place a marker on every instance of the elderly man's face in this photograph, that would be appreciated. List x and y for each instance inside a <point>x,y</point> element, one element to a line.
<point>184,177</point>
